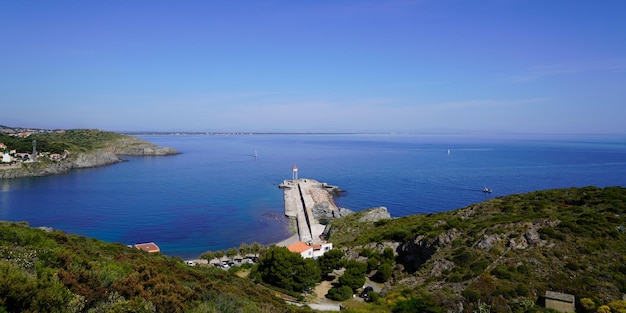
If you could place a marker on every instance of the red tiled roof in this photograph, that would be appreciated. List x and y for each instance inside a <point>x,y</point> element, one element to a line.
<point>148,247</point>
<point>298,247</point>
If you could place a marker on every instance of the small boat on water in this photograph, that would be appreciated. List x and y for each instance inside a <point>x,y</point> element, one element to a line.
<point>487,190</point>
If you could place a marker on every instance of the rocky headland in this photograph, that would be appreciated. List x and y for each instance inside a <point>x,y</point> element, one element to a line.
<point>110,152</point>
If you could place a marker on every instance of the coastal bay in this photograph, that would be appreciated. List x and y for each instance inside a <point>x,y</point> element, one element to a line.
<point>216,194</point>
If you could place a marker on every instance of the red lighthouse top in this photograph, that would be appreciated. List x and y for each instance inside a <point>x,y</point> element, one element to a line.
<point>295,168</point>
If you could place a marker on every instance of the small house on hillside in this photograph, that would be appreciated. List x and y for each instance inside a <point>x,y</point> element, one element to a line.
<point>302,248</point>
<point>148,247</point>
<point>561,302</point>
<point>310,251</point>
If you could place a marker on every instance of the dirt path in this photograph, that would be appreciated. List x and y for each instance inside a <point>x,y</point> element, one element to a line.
<point>322,289</point>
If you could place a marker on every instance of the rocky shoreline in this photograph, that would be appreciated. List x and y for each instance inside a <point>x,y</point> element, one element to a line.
<point>111,154</point>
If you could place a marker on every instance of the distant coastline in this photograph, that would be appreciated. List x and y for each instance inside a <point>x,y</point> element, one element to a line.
<point>487,134</point>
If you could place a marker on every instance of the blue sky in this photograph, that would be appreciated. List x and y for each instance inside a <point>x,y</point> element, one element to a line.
<point>519,66</point>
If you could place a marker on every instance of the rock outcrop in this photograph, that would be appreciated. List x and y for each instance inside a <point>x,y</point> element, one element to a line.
<point>418,251</point>
<point>323,212</point>
<point>137,147</point>
<point>375,214</point>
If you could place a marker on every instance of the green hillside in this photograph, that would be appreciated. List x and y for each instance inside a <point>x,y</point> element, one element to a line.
<point>74,140</point>
<point>55,272</point>
<point>504,253</point>
<point>59,141</point>
<point>501,255</point>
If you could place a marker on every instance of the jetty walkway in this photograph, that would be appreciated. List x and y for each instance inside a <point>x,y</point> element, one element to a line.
<point>301,196</point>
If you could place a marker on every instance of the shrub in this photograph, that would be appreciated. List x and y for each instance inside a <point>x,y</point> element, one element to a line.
<point>479,266</point>
<point>366,252</point>
<point>354,275</point>
<point>372,264</point>
<point>618,306</point>
<point>373,297</point>
<point>588,305</point>
<point>455,278</point>
<point>382,222</point>
<point>522,290</point>
<point>414,305</point>
<point>548,232</point>
<point>501,272</point>
<point>384,273</point>
<point>339,293</point>
<point>388,254</point>
<point>471,295</point>
<point>330,261</point>
<point>571,265</point>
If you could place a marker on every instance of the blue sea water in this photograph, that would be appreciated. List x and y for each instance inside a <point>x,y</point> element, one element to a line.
<point>216,194</point>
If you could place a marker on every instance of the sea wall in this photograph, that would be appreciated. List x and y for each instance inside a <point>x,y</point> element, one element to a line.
<point>310,203</point>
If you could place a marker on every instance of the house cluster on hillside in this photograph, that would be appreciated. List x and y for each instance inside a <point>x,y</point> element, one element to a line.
<point>25,132</point>
<point>11,156</point>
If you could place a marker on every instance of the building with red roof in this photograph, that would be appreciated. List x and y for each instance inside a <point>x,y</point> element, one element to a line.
<point>148,247</point>
<point>310,251</point>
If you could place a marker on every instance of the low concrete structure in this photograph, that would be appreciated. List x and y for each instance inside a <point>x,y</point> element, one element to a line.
<point>561,302</point>
<point>148,247</point>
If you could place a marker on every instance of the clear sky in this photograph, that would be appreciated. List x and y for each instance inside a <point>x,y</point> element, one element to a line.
<point>529,66</point>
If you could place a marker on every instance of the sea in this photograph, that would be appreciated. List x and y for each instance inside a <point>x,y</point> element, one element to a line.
<point>223,189</point>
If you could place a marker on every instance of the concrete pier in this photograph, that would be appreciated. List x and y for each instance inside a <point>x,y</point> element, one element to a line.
<point>301,196</point>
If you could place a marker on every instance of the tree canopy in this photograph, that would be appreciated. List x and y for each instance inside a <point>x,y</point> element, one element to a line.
<point>282,268</point>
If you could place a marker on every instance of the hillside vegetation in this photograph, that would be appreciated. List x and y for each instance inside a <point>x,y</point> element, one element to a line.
<point>74,140</point>
<point>503,253</point>
<point>54,272</point>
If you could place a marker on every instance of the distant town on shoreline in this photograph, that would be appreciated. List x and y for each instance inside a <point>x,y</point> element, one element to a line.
<point>26,131</point>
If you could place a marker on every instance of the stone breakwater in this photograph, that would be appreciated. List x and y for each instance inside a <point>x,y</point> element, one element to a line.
<point>310,202</point>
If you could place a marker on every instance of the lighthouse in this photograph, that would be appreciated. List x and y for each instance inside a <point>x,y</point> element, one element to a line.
<point>294,173</point>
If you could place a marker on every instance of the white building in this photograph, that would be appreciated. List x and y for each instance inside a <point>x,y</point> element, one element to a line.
<point>302,248</point>
<point>6,157</point>
<point>310,251</point>
<point>320,249</point>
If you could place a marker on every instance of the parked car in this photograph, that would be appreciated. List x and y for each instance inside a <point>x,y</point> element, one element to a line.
<point>366,292</point>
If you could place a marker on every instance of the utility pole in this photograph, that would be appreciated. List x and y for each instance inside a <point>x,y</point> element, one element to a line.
<point>34,156</point>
